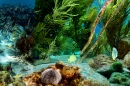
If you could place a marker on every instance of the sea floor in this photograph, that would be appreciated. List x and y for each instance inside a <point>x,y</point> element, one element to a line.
<point>25,69</point>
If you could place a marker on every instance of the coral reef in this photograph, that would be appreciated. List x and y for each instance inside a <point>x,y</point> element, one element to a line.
<point>63,28</point>
<point>8,41</point>
<point>18,14</point>
<point>16,21</point>
<point>60,76</point>
<point>8,78</point>
<point>81,75</point>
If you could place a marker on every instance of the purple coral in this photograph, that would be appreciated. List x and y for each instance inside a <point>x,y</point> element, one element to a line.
<point>51,76</point>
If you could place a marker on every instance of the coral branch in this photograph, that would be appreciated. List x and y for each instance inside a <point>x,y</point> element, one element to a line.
<point>94,25</point>
<point>104,28</point>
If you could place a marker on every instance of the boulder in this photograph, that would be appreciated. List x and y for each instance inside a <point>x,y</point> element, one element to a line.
<point>123,47</point>
<point>92,78</point>
<point>126,60</point>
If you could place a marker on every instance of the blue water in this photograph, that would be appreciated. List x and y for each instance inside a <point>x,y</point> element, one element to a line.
<point>30,3</point>
<point>95,3</point>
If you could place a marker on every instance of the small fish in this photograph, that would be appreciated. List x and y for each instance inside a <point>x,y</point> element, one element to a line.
<point>37,11</point>
<point>72,58</point>
<point>114,53</point>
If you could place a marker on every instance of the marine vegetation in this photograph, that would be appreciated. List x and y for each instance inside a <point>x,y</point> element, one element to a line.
<point>66,25</point>
<point>115,26</point>
<point>42,8</point>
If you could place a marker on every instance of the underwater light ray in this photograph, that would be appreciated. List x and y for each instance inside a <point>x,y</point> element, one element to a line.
<point>104,28</point>
<point>95,23</point>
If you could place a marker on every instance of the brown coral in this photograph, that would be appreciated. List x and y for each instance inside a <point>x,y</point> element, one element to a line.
<point>67,72</point>
<point>70,76</point>
<point>32,80</point>
<point>24,44</point>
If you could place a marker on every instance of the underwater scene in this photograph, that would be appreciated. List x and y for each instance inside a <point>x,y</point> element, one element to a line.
<point>64,42</point>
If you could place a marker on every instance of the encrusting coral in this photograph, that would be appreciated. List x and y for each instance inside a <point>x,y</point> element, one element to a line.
<point>57,75</point>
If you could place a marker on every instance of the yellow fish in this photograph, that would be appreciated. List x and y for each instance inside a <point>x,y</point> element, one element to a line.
<point>72,58</point>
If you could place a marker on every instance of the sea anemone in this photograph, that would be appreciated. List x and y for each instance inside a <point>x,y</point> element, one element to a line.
<point>51,76</point>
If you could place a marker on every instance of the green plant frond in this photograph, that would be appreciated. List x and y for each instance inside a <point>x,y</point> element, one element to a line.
<point>91,14</point>
<point>117,28</point>
<point>63,10</point>
<point>39,27</point>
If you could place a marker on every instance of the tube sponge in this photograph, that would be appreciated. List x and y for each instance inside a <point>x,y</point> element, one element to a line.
<point>51,76</point>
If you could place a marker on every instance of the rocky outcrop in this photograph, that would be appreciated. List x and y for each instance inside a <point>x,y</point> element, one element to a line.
<point>123,47</point>
<point>126,60</point>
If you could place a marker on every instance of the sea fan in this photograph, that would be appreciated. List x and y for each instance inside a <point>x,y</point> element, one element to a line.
<point>51,76</point>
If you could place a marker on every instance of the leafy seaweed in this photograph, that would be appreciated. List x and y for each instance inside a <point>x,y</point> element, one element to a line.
<point>117,28</point>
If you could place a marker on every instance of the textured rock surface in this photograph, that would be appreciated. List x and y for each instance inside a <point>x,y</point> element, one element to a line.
<point>123,47</point>
<point>126,60</point>
<point>100,61</point>
<point>93,77</point>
